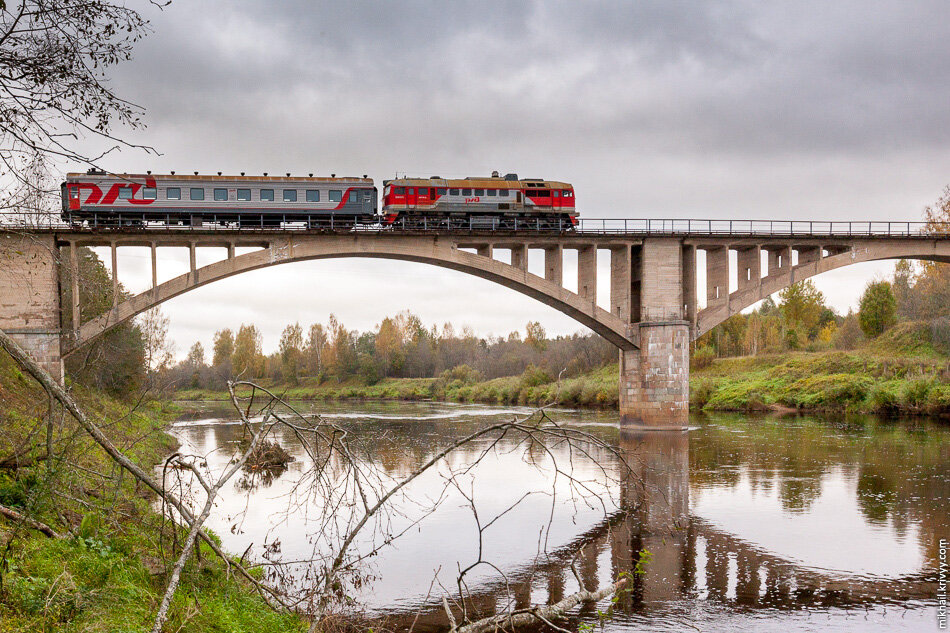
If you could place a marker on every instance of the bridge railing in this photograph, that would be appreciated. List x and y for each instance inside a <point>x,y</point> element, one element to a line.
<point>100,222</point>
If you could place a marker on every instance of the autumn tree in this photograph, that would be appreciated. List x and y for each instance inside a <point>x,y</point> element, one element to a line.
<point>316,346</point>
<point>878,309</point>
<point>389,347</point>
<point>535,336</point>
<point>802,306</point>
<point>291,352</point>
<point>196,355</point>
<point>247,359</point>
<point>223,350</point>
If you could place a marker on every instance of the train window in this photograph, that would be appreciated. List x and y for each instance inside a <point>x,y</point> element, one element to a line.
<point>197,193</point>
<point>400,191</point>
<point>479,192</point>
<point>267,195</point>
<point>466,192</point>
<point>503,193</point>
<point>125,193</point>
<point>149,193</point>
<point>220,195</point>
<point>453,192</point>
<point>313,195</point>
<point>368,196</point>
<point>423,191</point>
<point>336,195</point>
<point>441,191</point>
<point>557,194</point>
<point>290,195</point>
<point>243,194</point>
<point>568,194</point>
<point>173,193</point>
<point>491,192</point>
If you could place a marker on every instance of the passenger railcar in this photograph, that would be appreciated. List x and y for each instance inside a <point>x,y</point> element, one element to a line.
<point>478,203</point>
<point>134,199</point>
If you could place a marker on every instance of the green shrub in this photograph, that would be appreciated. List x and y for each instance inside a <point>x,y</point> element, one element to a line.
<point>700,392</point>
<point>534,376</point>
<point>703,357</point>
<point>916,392</point>
<point>884,398</point>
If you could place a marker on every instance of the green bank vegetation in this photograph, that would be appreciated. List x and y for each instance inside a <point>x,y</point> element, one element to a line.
<point>106,567</point>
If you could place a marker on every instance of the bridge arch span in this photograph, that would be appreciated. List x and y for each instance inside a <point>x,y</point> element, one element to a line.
<point>427,250</point>
<point>814,259</point>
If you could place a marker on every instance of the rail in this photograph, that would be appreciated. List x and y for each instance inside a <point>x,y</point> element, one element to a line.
<point>138,222</point>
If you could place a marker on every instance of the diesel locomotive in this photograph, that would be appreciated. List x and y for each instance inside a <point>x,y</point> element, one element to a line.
<point>97,198</point>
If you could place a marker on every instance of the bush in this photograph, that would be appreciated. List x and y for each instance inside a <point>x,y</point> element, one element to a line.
<point>703,357</point>
<point>534,376</point>
<point>700,393</point>
<point>884,398</point>
<point>916,392</point>
<point>940,334</point>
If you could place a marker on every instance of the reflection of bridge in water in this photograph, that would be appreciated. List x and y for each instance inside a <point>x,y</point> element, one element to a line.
<point>688,558</point>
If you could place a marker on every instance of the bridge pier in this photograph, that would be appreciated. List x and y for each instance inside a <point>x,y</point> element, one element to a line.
<point>29,297</point>
<point>654,378</point>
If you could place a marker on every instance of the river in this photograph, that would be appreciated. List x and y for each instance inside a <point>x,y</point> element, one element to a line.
<point>773,523</point>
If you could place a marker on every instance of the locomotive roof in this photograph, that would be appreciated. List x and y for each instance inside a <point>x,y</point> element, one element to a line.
<point>216,178</point>
<point>486,182</point>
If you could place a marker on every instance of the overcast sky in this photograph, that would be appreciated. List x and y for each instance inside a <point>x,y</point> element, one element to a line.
<point>668,109</point>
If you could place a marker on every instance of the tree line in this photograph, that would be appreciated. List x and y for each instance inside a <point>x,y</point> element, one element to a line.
<point>400,346</point>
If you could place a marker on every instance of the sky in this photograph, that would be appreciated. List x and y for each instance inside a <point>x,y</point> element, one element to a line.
<point>667,109</point>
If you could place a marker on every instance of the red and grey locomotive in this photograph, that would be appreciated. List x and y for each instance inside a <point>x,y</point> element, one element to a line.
<point>494,202</point>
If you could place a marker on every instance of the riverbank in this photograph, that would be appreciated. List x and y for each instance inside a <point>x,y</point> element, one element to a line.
<point>902,372</point>
<point>107,566</point>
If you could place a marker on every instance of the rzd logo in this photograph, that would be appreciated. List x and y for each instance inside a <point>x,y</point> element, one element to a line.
<point>475,199</point>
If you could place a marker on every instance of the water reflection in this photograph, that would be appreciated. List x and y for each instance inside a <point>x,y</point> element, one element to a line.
<point>736,520</point>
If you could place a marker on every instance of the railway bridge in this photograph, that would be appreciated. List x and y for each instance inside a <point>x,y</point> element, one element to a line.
<point>655,307</point>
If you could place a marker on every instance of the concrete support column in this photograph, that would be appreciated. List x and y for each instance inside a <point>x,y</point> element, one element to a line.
<point>231,250</point>
<point>749,261</point>
<point>620,281</point>
<point>808,254</point>
<point>74,278</point>
<point>115,276</point>
<point>717,277</point>
<point>587,273</point>
<point>690,299</point>
<point>780,260</point>
<point>485,250</point>
<point>519,256</point>
<point>154,266</point>
<point>191,257</point>
<point>554,264</point>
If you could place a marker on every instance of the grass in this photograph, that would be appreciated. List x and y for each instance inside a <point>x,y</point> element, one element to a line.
<point>109,571</point>
<point>900,372</point>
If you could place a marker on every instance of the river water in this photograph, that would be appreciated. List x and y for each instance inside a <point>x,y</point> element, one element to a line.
<point>780,523</point>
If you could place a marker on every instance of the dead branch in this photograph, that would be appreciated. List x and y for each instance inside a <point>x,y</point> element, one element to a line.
<point>542,615</point>
<point>12,514</point>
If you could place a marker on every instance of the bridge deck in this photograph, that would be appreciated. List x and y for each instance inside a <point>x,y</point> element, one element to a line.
<point>614,227</point>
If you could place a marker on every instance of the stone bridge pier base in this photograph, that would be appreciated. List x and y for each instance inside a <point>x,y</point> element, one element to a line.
<point>654,379</point>
<point>29,297</point>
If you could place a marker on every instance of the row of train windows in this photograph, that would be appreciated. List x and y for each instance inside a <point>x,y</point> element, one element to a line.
<point>221,195</point>
<point>424,191</point>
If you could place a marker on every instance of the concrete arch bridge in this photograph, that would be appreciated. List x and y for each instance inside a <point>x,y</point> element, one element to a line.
<point>654,304</point>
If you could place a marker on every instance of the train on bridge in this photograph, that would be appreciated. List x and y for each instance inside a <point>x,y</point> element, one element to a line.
<point>100,199</point>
